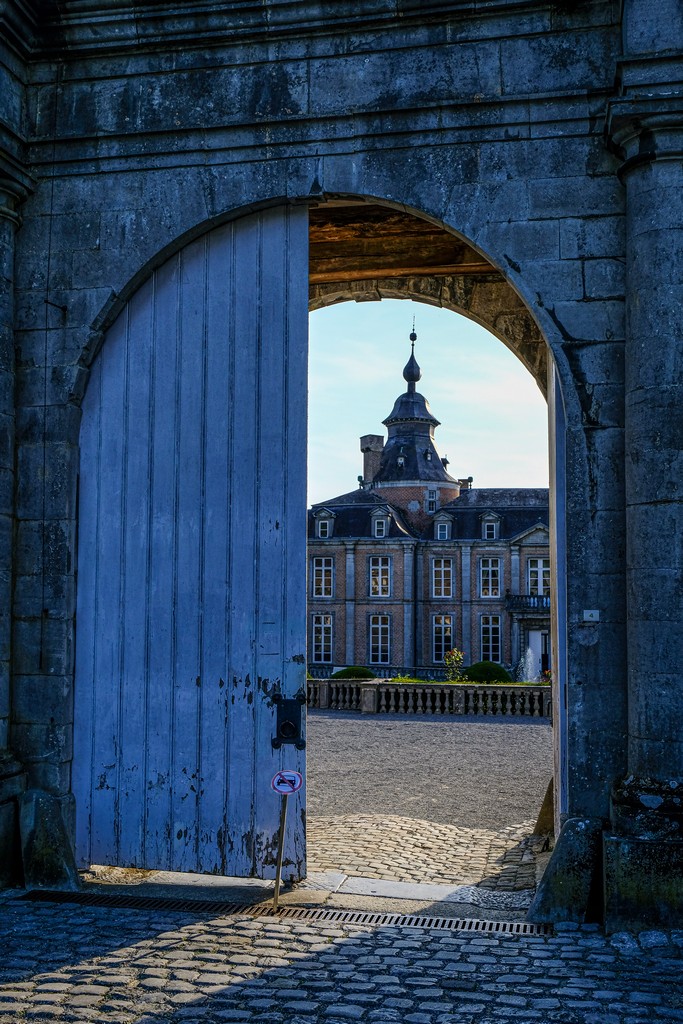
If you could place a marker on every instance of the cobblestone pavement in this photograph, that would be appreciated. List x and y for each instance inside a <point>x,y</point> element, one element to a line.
<point>410,850</point>
<point>443,801</point>
<point>69,963</point>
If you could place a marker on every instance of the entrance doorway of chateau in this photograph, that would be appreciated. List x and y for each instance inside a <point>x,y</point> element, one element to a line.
<point>191,597</point>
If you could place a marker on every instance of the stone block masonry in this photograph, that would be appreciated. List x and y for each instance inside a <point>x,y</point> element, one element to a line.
<point>547,136</point>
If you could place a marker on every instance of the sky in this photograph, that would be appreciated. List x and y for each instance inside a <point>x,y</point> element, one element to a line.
<point>493,416</point>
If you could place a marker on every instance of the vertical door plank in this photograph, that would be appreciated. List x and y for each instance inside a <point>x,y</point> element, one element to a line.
<point>88,555</point>
<point>213,738</point>
<point>189,556</point>
<point>139,410</point>
<point>295,387</point>
<point>243,528</point>
<point>160,741</point>
<point>107,665</point>
<point>271,526</point>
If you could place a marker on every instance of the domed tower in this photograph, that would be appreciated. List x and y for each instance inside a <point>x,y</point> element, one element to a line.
<point>410,465</point>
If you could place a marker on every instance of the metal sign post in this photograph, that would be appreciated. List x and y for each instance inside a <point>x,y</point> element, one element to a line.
<point>285,783</point>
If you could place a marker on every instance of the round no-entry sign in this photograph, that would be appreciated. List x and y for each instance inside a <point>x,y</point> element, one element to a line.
<point>287,782</point>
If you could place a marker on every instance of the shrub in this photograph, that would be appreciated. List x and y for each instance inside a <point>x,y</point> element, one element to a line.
<point>453,661</point>
<point>487,672</point>
<point>407,679</point>
<point>353,672</point>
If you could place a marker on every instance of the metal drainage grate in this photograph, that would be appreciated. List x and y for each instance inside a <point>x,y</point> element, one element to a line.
<point>124,901</point>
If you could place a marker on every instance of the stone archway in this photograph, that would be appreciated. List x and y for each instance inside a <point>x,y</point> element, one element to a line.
<point>187,295</point>
<point>366,250</point>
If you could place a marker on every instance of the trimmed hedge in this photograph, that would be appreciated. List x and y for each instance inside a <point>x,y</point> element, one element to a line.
<point>353,672</point>
<point>486,672</point>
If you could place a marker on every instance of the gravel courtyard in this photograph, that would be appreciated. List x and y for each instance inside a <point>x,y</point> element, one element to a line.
<point>414,800</point>
<point>479,773</point>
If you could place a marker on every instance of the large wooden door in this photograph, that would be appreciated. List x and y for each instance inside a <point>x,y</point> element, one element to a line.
<point>191,558</point>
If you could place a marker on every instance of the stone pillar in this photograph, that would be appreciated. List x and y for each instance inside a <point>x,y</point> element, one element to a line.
<point>515,582</point>
<point>654,458</point>
<point>408,606</point>
<point>467,644</point>
<point>12,777</point>
<point>644,853</point>
<point>9,220</point>
<point>349,606</point>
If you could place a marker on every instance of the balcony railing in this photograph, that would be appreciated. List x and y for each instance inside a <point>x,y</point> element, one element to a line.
<point>427,672</point>
<point>527,603</point>
<point>384,697</point>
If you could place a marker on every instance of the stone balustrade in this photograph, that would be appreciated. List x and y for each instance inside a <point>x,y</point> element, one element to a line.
<point>382,696</point>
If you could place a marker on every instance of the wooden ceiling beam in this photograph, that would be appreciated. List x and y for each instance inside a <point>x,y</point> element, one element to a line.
<point>446,270</point>
<point>362,242</point>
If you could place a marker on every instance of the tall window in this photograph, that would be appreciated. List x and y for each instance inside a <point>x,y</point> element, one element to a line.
<point>379,639</point>
<point>490,530</point>
<point>431,501</point>
<point>322,639</point>
<point>380,576</point>
<point>442,637</point>
<point>442,577</point>
<point>490,638</point>
<point>489,577</point>
<point>323,573</point>
<point>539,576</point>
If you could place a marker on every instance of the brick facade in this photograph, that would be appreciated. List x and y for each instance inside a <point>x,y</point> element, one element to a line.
<point>467,589</point>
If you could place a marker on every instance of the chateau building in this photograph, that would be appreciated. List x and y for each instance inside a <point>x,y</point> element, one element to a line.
<point>416,562</point>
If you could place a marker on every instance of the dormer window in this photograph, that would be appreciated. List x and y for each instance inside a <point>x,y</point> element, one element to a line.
<point>380,523</point>
<point>400,462</point>
<point>324,523</point>
<point>442,531</point>
<point>489,528</point>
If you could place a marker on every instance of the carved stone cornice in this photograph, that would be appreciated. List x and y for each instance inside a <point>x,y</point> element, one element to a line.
<point>18,25</point>
<point>12,195</point>
<point>645,127</point>
<point>84,27</point>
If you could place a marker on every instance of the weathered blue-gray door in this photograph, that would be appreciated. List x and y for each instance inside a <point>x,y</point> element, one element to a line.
<point>191,558</point>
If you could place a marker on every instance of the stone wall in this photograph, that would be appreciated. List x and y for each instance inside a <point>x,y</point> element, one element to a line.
<point>136,131</point>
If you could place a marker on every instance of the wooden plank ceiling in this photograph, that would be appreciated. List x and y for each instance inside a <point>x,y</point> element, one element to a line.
<point>357,242</point>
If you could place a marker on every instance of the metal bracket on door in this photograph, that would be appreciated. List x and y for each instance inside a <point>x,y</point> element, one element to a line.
<point>289,728</point>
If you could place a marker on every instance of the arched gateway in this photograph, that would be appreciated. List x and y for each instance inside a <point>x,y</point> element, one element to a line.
<point>151,164</point>
<point>191,550</point>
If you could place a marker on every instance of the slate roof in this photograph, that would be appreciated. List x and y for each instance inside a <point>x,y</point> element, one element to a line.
<point>518,509</point>
<point>353,516</point>
<point>416,466</point>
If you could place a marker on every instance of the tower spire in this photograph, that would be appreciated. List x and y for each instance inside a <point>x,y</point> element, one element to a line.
<point>411,371</point>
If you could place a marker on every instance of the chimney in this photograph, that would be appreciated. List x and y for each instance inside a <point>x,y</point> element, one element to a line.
<point>371,446</point>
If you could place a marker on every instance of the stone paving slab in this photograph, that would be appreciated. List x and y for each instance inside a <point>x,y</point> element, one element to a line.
<point>69,963</point>
<point>409,850</point>
<point>470,894</point>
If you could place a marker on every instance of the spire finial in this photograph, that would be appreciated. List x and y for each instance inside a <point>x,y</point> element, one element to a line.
<point>411,371</point>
